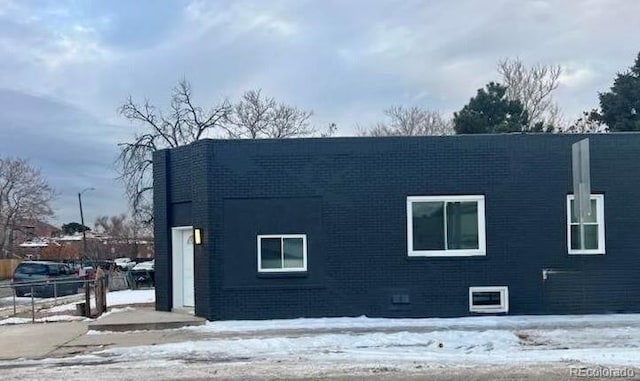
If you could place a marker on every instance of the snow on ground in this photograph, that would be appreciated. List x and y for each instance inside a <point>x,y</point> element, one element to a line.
<point>343,342</point>
<point>497,340</point>
<point>6,303</point>
<point>65,307</point>
<point>47,319</point>
<point>115,298</point>
<point>18,299</point>
<point>118,298</point>
<point>348,346</point>
<point>464,323</point>
<point>114,311</point>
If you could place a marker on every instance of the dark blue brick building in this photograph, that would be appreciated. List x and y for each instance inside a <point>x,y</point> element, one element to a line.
<point>395,227</point>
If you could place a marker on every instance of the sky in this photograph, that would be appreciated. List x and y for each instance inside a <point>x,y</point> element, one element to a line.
<point>66,66</point>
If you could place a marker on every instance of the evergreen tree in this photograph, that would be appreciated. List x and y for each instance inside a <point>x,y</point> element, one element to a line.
<point>620,107</point>
<point>74,227</point>
<point>490,111</point>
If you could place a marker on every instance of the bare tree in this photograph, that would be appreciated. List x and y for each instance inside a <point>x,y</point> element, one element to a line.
<point>329,131</point>
<point>412,121</point>
<point>184,123</point>
<point>256,116</point>
<point>24,196</point>
<point>114,226</point>
<point>120,226</point>
<point>123,235</point>
<point>533,87</point>
<point>588,123</point>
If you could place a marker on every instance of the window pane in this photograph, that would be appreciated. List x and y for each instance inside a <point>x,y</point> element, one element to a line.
<point>462,225</point>
<point>293,253</point>
<point>592,218</point>
<point>491,298</point>
<point>428,225</point>
<point>590,237</point>
<point>32,269</point>
<point>270,253</point>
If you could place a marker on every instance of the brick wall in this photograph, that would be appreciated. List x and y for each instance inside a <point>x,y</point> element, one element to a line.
<point>349,196</point>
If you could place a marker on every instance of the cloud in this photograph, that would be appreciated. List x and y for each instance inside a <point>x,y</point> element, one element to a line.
<point>63,142</point>
<point>238,18</point>
<point>573,76</point>
<point>27,36</point>
<point>68,65</point>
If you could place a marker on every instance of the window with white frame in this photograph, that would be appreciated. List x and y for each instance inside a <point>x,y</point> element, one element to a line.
<point>445,226</point>
<point>593,227</point>
<point>493,299</point>
<point>282,252</point>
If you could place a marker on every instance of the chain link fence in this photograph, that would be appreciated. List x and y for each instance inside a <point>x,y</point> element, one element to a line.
<point>36,297</point>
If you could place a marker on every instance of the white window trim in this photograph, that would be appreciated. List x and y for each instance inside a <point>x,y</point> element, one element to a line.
<point>482,241</point>
<point>284,269</point>
<point>599,218</point>
<point>504,299</point>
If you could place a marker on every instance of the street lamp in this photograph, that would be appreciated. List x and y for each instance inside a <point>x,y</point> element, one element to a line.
<point>84,235</point>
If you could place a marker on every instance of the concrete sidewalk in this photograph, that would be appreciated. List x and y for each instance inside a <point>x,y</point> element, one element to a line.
<point>34,341</point>
<point>61,339</point>
<point>144,319</point>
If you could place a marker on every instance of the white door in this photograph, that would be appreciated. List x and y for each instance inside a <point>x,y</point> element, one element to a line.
<point>182,267</point>
<point>187,269</point>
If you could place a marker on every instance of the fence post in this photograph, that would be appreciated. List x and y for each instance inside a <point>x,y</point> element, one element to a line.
<point>14,301</point>
<point>55,292</point>
<point>100,291</point>
<point>87,300</point>
<point>33,308</point>
<point>104,295</point>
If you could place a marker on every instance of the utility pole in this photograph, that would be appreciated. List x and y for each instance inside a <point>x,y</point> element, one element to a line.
<point>84,232</point>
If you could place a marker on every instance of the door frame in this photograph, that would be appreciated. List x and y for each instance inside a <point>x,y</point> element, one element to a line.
<point>177,279</point>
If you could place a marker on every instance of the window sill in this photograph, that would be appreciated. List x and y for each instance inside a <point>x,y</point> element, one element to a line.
<point>489,311</point>
<point>587,252</point>
<point>282,274</point>
<point>447,253</point>
<point>445,258</point>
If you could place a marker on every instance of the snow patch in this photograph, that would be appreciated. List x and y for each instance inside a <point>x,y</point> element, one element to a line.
<point>114,298</point>
<point>469,323</point>
<point>48,319</point>
<point>487,340</point>
<point>124,297</point>
<point>441,347</point>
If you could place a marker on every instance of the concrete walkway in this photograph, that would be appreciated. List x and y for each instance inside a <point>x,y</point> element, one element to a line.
<point>143,326</point>
<point>34,341</point>
<point>144,319</point>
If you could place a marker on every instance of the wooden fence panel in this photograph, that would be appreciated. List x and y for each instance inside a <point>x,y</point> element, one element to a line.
<point>7,266</point>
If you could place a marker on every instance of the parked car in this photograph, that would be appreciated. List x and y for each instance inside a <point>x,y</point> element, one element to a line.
<point>124,264</point>
<point>145,266</point>
<point>142,274</point>
<point>86,273</point>
<point>104,264</point>
<point>46,279</point>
